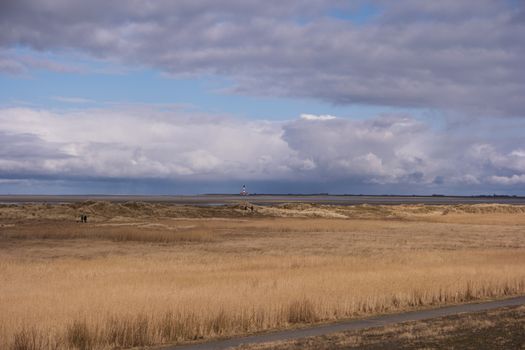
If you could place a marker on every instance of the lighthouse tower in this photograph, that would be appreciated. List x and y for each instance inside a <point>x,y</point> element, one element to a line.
<point>243,191</point>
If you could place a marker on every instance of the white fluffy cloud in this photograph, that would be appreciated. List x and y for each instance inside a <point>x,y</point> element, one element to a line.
<point>317,117</point>
<point>172,144</point>
<point>133,144</point>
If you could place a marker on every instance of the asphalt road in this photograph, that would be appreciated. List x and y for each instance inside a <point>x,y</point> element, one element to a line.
<point>378,321</point>
<point>206,200</point>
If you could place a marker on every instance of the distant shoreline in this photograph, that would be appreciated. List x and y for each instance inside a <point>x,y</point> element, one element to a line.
<point>268,199</point>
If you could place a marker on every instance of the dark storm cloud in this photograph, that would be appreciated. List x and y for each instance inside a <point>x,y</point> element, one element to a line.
<point>26,147</point>
<point>457,54</point>
<point>25,155</point>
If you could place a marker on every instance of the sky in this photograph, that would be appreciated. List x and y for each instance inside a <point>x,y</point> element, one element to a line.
<point>318,96</point>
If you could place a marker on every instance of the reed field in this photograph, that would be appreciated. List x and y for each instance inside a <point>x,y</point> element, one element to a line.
<point>139,274</point>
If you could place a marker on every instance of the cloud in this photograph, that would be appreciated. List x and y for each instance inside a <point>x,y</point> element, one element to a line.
<point>508,180</point>
<point>381,150</point>
<point>447,54</point>
<point>11,66</point>
<point>138,143</point>
<point>18,64</point>
<point>73,100</point>
<point>396,151</point>
<point>317,117</point>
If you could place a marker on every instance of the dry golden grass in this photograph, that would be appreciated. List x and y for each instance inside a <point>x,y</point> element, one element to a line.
<point>123,232</point>
<point>144,280</point>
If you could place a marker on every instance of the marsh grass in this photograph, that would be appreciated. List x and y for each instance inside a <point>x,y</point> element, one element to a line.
<point>29,338</point>
<point>100,286</point>
<point>79,335</point>
<point>117,233</point>
<point>301,311</point>
<point>134,302</point>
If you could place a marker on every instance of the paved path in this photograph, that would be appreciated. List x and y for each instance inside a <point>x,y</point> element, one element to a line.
<point>378,321</point>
